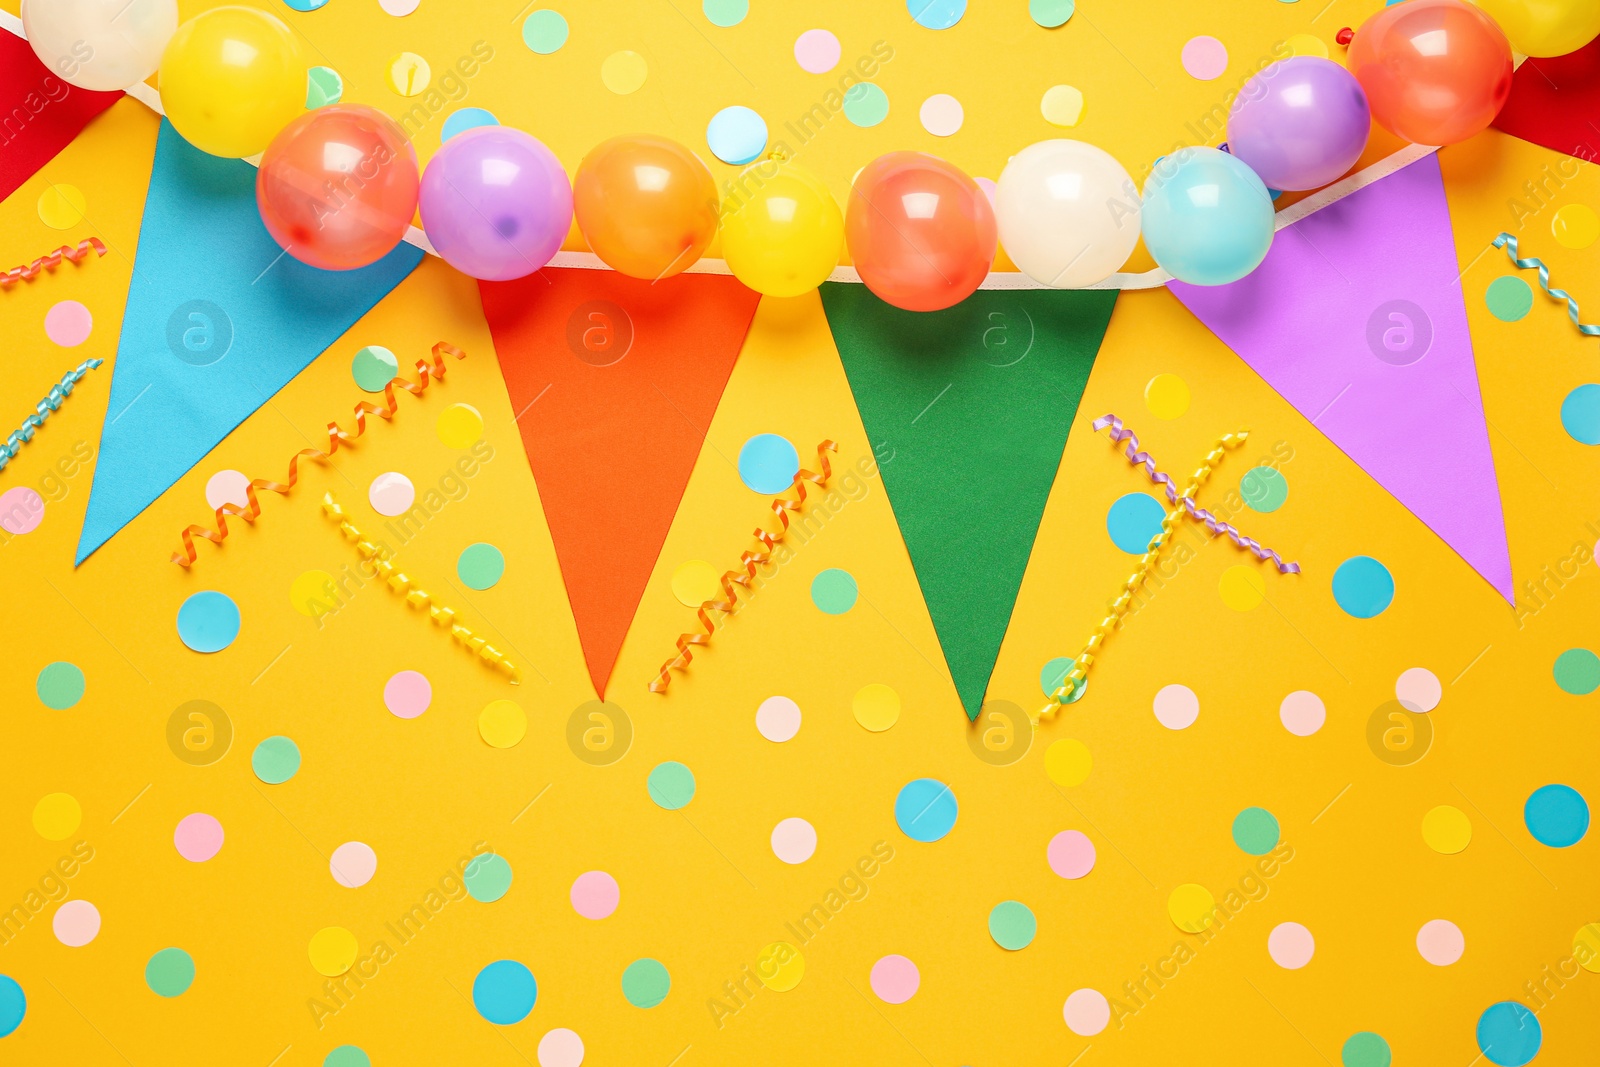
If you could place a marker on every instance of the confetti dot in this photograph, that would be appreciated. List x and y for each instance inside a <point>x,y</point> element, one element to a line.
<point>780,966</point>
<point>1577,671</point>
<point>459,426</point>
<point>399,8</point>
<point>374,367</point>
<point>925,810</point>
<point>1068,762</point>
<point>1062,105</point>
<point>353,864</point>
<point>1586,947</point>
<point>894,979</point>
<point>1556,815</point>
<point>502,723</point>
<point>1363,587</point>
<point>324,86</point>
<point>504,992</point>
<point>865,104</point>
<point>227,487</point>
<point>169,973</point>
<point>1205,58</point>
<point>768,463</point>
<point>1302,713</point>
<point>834,591</point>
<point>595,895</point>
<point>624,72</point>
<point>1051,13</point>
<point>645,983</point>
<point>1440,942</point>
<point>817,51</point>
<point>467,118</point>
<point>936,14</point>
<point>60,685</point>
<point>778,719</point>
<point>1167,396</point>
<point>1255,830</point>
<point>198,837</point>
<point>57,816</point>
<point>794,840</point>
<point>61,207</point>
<point>76,923</point>
<point>208,621</point>
<point>1071,854</point>
<point>670,785</point>
<point>1509,1035</point>
<point>1012,925</point>
<point>1176,707</point>
<point>545,31</point>
<point>1580,415</point>
<point>1054,673</point>
<point>1191,906</point>
<point>1576,226</point>
<point>1446,829</point>
<point>1133,521</point>
<point>736,135</point>
<point>276,760</point>
<point>487,878</point>
<point>407,694</point>
<point>409,74</point>
<point>21,510</point>
<point>1365,1049</point>
<point>1263,489</point>
<point>989,188</point>
<point>942,115</point>
<point>391,494</point>
<point>68,323</point>
<point>876,707</point>
<point>1418,689</point>
<point>1087,1012</point>
<point>480,566</point>
<point>347,1056</point>
<point>332,950</point>
<point>725,12</point>
<point>1509,298</point>
<point>1303,44</point>
<point>314,593</point>
<point>560,1048</point>
<point>1242,587</point>
<point>1291,946</point>
<point>695,582</point>
<point>13,1005</point>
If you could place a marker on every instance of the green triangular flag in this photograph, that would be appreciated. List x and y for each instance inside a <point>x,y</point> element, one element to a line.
<point>968,410</point>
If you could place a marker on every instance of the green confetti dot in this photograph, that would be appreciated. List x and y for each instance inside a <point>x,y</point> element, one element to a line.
<point>1051,13</point>
<point>488,878</point>
<point>1256,831</point>
<point>1509,298</point>
<point>347,1056</point>
<point>725,12</point>
<point>1577,671</point>
<point>374,367</point>
<point>60,685</point>
<point>1365,1049</point>
<point>671,785</point>
<point>323,87</point>
<point>1263,489</point>
<point>834,591</point>
<point>480,565</point>
<point>170,972</point>
<point>544,31</point>
<point>276,760</point>
<point>865,104</point>
<point>1012,925</point>
<point>646,983</point>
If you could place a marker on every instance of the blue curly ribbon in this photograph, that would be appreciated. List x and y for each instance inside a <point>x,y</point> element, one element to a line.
<point>52,402</point>
<point>1505,240</point>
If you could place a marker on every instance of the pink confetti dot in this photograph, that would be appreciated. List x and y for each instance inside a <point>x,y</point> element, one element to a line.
<point>817,51</point>
<point>794,840</point>
<point>353,864</point>
<point>1291,946</point>
<point>1418,689</point>
<point>1302,713</point>
<point>407,694</point>
<point>595,894</point>
<point>1087,1012</point>
<point>227,487</point>
<point>778,719</point>
<point>399,8</point>
<point>895,979</point>
<point>1071,854</point>
<point>988,187</point>
<point>560,1048</point>
<point>1205,58</point>
<point>68,324</point>
<point>942,115</point>
<point>198,837</point>
<point>1176,707</point>
<point>76,923</point>
<point>21,510</point>
<point>1441,942</point>
<point>391,493</point>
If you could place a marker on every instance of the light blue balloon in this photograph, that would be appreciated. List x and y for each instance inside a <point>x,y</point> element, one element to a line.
<point>1207,218</point>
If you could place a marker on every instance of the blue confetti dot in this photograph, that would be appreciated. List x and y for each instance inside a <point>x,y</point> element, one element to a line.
<point>13,1004</point>
<point>504,992</point>
<point>834,591</point>
<point>925,810</point>
<point>1580,414</point>
<point>936,14</point>
<point>1557,816</point>
<point>208,621</point>
<point>768,463</point>
<point>304,5</point>
<point>736,135</point>
<point>1509,1034</point>
<point>671,785</point>
<point>1363,587</point>
<point>468,118</point>
<point>1133,520</point>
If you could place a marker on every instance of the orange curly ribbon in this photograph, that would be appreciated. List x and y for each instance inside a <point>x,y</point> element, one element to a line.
<point>252,511</point>
<point>53,260</point>
<point>749,561</point>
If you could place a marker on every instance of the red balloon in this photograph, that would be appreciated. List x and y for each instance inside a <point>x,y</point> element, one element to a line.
<point>1435,71</point>
<point>921,233</point>
<point>338,186</point>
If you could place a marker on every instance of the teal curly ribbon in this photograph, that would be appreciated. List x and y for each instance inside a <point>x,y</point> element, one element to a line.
<point>1509,243</point>
<point>52,402</point>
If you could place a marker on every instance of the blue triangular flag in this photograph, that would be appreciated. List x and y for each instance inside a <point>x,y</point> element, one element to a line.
<point>219,319</point>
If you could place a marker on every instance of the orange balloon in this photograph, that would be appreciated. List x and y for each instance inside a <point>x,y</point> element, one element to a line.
<point>1435,71</point>
<point>646,205</point>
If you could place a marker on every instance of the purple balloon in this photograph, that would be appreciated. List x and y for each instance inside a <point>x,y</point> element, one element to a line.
<point>495,203</point>
<point>1300,123</point>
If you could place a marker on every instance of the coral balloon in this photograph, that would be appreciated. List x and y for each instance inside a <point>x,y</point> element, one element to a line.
<point>495,203</point>
<point>338,186</point>
<point>784,232</point>
<point>646,205</point>
<point>1546,27</point>
<point>1435,71</point>
<point>100,44</point>
<point>1300,123</point>
<point>1068,213</point>
<point>921,233</point>
<point>231,78</point>
<point>1208,218</point>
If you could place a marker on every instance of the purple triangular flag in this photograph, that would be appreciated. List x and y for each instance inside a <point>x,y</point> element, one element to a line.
<point>1356,318</point>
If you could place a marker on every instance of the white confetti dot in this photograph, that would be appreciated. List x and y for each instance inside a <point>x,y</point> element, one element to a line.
<point>942,115</point>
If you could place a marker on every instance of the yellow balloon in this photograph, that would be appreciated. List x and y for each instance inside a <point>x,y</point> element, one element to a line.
<point>782,231</point>
<point>231,78</point>
<point>1546,27</point>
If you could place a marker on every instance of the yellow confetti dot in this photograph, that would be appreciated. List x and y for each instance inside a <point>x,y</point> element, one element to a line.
<point>502,723</point>
<point>695,582</point>
<point>313,593</point>
<point>877,707</point>
<point>1062,105</point>
<point>1242,588</point>
<point>1586,947</point>
<point>624,72</point>
<point>1167,396</point>
<point>333,950</point>
<point>459,426</point>
<point>781,966</point>
<point>409,74</point>
<point>1446,829</point>
<point>1303,44</point>
<point>62,207</point>
<point>1576,226</point>
<point>57,816</point>
<point>1068,762</point>
<point>1191,907</point>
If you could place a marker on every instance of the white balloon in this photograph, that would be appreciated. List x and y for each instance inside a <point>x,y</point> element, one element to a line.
<point>100,44</point>
<point>1068,213</point>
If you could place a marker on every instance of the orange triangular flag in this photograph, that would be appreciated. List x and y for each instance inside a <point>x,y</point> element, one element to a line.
<point>613,381</point>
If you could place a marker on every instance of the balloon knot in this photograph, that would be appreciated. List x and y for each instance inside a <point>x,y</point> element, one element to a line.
<point>1345,36</point>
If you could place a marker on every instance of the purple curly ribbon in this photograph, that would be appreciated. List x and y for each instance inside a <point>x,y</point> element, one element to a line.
<point>1140,458</point>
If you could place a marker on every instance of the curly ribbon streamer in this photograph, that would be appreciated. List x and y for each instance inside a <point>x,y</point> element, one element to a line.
<point>53,260</point>
<point>416,597</point>
<point>1509,243</point>
<point>749,561</point>
<point>58,393</point>
<point>336,436</point>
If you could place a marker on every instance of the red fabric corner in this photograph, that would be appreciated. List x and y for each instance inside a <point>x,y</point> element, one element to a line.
<point>40,113</point>
<point>1556,103</point>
